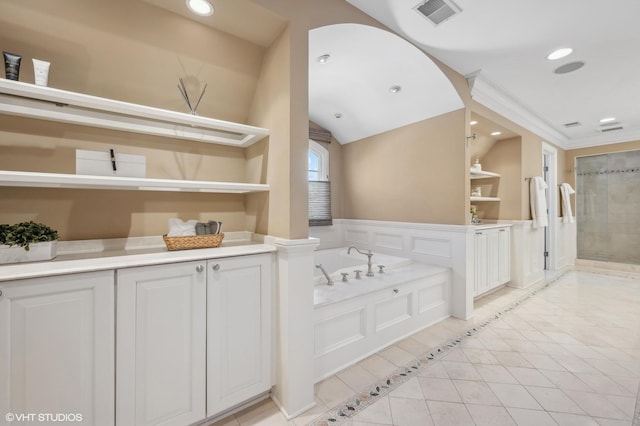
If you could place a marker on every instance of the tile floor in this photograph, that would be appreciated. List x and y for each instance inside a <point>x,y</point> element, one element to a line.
<point>567,355</point>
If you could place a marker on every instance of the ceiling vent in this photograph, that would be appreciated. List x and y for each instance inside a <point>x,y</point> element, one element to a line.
<point>572,124</point>
<point>438,11</point>
<point>611,129</point>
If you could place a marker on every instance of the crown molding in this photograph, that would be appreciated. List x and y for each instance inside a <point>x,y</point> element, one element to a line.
<point>496,99</point>
<point>604,139</point>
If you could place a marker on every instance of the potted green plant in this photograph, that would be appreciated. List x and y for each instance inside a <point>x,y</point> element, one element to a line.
<point>27,242</point>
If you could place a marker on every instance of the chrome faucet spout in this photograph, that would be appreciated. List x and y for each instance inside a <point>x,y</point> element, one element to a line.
<point>324,272</point>
<point>369,255</point>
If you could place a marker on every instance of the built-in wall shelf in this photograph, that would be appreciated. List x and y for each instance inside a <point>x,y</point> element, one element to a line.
<point>47,103</point>
<point>484,199</point>
<point>59,180</point>
<point>479,174</point>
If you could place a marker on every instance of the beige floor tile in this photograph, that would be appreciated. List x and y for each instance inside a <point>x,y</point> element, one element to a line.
<point>484,415</point>
<point>271,416</point>
<point>461,370</point>
<point>413,347</point>
<point>574,364</point>
<point>525,417</point>
<point>480,356</point>
<point>397,356</point>
<point>552,348</point>
<point>542,361</point>
<point>378,366</point>
<point>410,412</point>
<point>456,355</point>
<point>495,374</point>
<point>439,389</point>
<point>612,422</point>
<point>511,359</point>
<point>564,419</point>
<point>332,391</point>
<point>434,369</point>
<point>530,376</point>
<point>515,396</point>
<point>473,343</point>
<point>411,389</point>
<point>378,412</point>
<point>449,414</point>
<point>311,414</point>
<point>496,345</point>
<point>476,393</point>
<point>609,367</point>
<point>357,378</point>
<point>596,405</point>
<point>604,384</point>
<point>553,399</point>
<point>626,404</point>
<point>227,421</point>
<point>566,380</point>
<point>524,346</point>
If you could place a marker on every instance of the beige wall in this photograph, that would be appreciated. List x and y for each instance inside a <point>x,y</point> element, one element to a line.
<point>412,174</point>
<point>123,50</point>
<point>505,158</point>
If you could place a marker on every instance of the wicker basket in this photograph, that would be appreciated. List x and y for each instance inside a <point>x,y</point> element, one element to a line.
<point>193,242</point>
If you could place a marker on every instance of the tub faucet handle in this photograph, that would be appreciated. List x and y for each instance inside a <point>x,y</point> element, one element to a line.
<point>358,272</point>
<point>381,267</point>
<point>344,276</point>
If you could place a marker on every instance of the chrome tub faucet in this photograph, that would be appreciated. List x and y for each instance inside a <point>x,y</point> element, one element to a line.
<point>369,255</point>
<point>324,272</point>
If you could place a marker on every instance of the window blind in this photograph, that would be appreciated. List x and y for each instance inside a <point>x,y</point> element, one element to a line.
<point>319,203</point>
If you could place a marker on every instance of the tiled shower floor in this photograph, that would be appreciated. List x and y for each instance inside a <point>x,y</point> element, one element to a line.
<point>567,354</point>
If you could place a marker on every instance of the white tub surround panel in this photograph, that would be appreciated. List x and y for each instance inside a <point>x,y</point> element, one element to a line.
<point>450,246</point>
<point>293,391</point>
<point>360,317</point>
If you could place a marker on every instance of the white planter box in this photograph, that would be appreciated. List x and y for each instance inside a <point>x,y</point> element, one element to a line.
<point>37,252</point>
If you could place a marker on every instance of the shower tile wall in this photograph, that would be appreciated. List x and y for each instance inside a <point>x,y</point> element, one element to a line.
<point>608,207</point>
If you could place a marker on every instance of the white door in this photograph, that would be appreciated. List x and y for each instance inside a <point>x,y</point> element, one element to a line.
<point>493,258</point>
<point>161,344</point>
<point>57,348</point>
<point>238,330</point>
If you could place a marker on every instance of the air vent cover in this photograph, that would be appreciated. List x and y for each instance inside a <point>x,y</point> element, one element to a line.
<point>572,124</point>
<point>438,11</point>
<point>611,129</point>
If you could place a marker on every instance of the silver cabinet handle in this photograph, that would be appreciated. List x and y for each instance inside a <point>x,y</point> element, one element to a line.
<point>503,230</point>
<point>0,292</point>
<point>199,268</point>
<point>216,267</point>
<point>396,291</point>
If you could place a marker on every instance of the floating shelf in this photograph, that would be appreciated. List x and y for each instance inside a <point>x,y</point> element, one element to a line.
<point>479,174</point>
<point>484,199</point>
<point>47,103</point>
<point>59,180</point>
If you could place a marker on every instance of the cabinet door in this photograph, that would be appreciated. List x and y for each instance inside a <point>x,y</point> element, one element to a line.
<point>161,344</point>
<point>504,254</point>
<point>57,347</point>
<point>481,260</point>
<point>238,330</point>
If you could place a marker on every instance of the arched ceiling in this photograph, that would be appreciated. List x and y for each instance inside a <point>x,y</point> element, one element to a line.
<point>354,83</point>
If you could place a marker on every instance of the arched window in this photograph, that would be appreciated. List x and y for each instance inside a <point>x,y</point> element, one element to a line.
<point>319,185</point>
<point>318,162</point>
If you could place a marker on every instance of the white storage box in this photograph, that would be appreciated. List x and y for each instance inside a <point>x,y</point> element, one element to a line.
<point>37,252</point>
<point>99,163</point>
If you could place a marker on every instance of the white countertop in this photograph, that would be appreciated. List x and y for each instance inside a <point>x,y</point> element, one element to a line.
<point>125,258</point>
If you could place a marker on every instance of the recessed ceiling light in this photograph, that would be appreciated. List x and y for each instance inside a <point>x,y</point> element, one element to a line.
<point>496,133</point>
<point>324,58</point>
<point>200,7</point>
<point>338,115</point>
<point>559,53</point>
<point>395,89</point>
<point>608,120</point>
<point>473,122</point>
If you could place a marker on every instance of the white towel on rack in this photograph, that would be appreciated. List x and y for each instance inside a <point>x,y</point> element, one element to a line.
<point>538,202</point>
<point>565,191</point>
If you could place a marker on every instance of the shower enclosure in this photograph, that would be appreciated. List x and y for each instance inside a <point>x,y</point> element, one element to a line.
<point>608,207</point>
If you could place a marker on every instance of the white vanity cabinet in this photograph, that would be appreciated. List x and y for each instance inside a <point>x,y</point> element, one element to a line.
<point>492,258</point>
<point>238,330</point>
<point>161,334</point>
<point>57,347</point>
